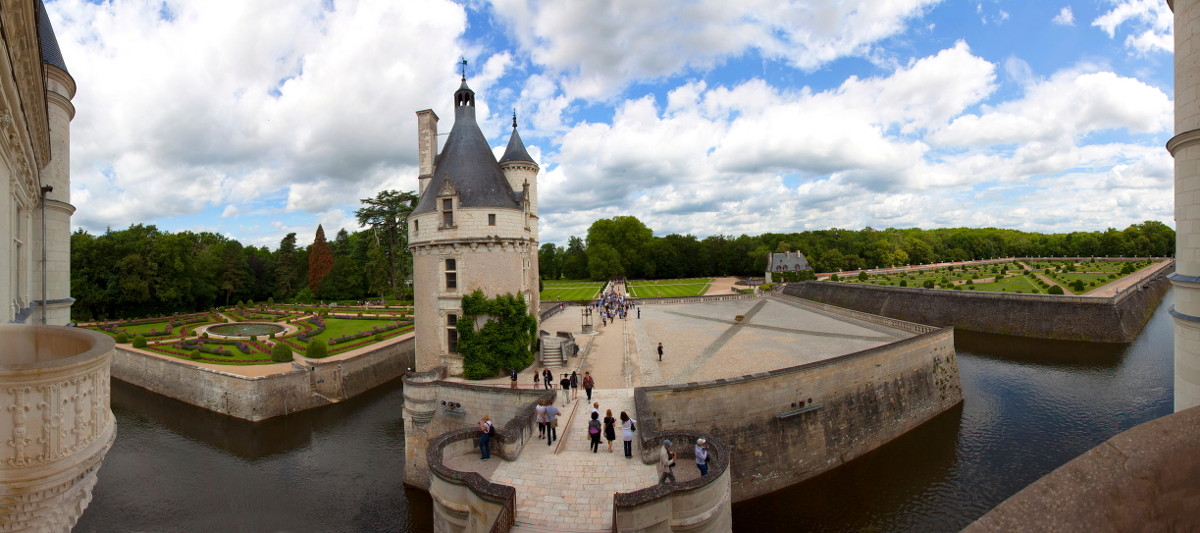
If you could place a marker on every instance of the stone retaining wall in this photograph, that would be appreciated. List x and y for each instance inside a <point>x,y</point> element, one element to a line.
<point>1116,319</point>
<point>788,425</point>
<point>263,397</point>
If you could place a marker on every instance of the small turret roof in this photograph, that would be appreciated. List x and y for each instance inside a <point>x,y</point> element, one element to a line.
<point>467,164</point>
<point>51,54</point>
<point>516,148</point>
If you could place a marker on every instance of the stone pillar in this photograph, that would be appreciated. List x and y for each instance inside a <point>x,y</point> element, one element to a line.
<point>426,147</point>
<point>1185,148</point>
<point>55,423</point>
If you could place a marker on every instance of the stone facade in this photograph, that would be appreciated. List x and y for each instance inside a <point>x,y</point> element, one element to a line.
<point>1185,148</point>
<point>791,424</point>
<point>35,209</point>
<point>1117,319</point>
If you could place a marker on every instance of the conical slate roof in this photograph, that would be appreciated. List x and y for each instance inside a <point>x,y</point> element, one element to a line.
<point>516,148</point>
<point>467,164</point>
<point>51,55</point>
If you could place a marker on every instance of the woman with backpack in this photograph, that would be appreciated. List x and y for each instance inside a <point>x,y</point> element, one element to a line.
<point>594,431</point>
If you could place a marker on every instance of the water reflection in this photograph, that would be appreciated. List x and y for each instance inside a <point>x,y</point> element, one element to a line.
<point>175,467</point>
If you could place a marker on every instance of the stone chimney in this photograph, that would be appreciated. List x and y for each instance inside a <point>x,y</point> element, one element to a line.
<point>426,146</point>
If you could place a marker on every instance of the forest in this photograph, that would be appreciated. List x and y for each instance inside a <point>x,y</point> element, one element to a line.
<point>143,271</point>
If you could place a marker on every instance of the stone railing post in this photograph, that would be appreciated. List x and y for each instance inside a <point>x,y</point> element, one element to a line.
<point>55,423</point>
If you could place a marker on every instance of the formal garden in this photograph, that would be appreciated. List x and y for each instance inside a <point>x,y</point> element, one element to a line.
<point>261,334</point>
<point>1021,277</point>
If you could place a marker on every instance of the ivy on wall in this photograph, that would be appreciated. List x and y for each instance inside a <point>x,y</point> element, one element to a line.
<point>505,339</point>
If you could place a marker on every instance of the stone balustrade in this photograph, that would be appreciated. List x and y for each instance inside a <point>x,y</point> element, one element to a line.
<point>55,423</point>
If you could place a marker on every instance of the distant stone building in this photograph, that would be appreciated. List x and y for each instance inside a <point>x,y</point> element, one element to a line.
<point>786,262</point>
<point>35,178</point>
<point>474,227</point>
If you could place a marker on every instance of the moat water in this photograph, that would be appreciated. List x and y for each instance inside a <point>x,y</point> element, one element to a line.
<point>1031,405</point>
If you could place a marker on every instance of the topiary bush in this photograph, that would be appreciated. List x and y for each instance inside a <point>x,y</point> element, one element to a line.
<point>316,350</point>
<point>281,353</point>
<point>1078,286</point>
<point>139,342</point>
<point>1055,290</point>
<point>195,355</point>
<point>122,338</point>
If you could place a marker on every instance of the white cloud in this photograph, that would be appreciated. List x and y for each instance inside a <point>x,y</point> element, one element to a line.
<point>1065,17</point>
<point>224,101</point>
<point>1150,21</point>
<point>603,45</point>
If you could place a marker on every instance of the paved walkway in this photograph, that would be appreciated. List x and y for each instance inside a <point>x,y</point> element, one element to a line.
<point>566,487</point>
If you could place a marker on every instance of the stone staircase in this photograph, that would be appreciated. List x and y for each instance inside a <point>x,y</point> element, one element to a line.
<point>552,354</point>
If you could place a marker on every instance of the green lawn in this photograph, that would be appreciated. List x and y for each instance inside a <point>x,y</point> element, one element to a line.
<point>569,291</point>
<point>668,289</point>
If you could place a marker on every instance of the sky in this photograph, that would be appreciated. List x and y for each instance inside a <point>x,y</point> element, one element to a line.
<point>255,119</point>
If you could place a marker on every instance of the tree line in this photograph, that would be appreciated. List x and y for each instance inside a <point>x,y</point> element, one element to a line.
<point>625,247</point>
<point>143,271</point>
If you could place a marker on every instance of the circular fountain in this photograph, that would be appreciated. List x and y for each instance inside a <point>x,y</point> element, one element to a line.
<point>245,329</point>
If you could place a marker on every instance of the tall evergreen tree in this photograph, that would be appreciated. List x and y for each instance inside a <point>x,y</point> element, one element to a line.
<point>286,268</point>
<point>320,260</point>
<point>388,214</point>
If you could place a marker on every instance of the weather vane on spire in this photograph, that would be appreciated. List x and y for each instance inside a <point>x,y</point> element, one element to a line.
<point>514,118</point>
<point>463,61</point>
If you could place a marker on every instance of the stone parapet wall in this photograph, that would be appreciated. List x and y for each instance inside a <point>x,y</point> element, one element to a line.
<point>1143,479</point>
<point>700,505</point>
<point>262,397</point>
<point>429,413</point>
<point>466,502</point>
<point>788,425</point>
<point>1116,319</point>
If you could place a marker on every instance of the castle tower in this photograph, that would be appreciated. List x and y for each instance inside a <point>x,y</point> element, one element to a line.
<point>55,288</point>
<point>474,227</point>
<point>1185,147</point>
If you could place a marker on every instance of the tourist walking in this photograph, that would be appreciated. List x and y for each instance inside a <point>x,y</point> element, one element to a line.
<point>574,385</point>
<point>512,377</point>
<point>594,431</point>
<point>702,456</point>
<point>486,430</point>
<point>588,384</point>
<point>565,383</point>
<point>660,351</point>
<point>539,413</point>
<point>547,378</point>
<point>666,462</point>
<point>610,430</point>
<point>628,426</point>
<point>551,416</point>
